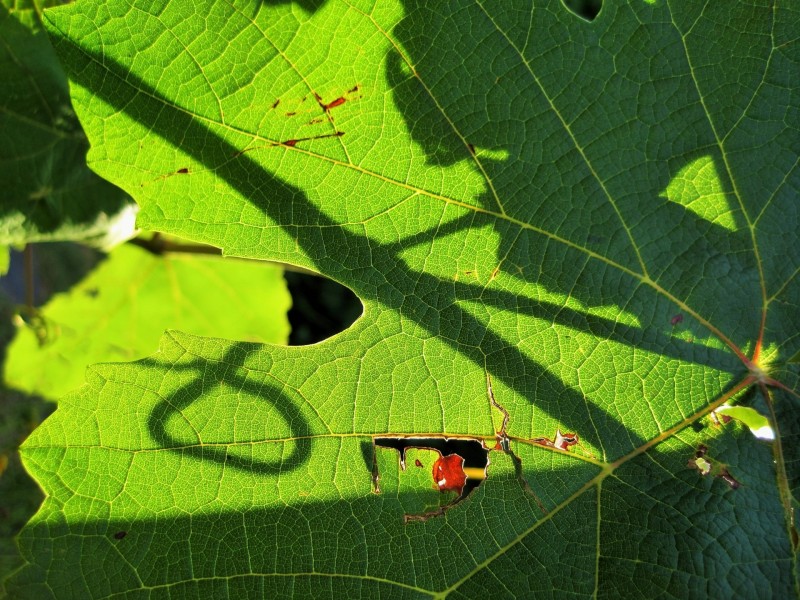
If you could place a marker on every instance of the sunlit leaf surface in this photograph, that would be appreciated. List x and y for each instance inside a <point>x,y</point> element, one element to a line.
<point>120,311</point>
<point>600,217</point>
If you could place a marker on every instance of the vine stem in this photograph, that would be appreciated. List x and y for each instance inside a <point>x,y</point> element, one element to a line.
<point>780,466</point>
<point>159,246</point>
<point>29,283</point>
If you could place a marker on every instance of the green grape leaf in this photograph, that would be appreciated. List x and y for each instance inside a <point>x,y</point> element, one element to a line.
<point>49,193</point>
<point>573,241</point>
<point>120,311</point>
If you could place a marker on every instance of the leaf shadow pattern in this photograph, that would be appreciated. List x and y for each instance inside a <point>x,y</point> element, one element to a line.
<point>503,549</point>
<point>453,99</point>
<point>225,371</point>
<point>457,76</point>
<point>158,556</point>
<point>437,307</point>
<point>387,281</point>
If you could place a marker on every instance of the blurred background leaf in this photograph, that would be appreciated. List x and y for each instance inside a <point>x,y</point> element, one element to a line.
<point>48,192</point>
<point>119,312</point>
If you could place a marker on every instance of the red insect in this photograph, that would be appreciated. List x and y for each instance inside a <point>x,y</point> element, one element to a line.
<point>448,473</point>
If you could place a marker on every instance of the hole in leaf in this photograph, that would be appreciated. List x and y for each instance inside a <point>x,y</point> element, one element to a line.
<point>586,9</point>
<point>705,466</point>
<point>758,424</point>
<point>562,441</point>
<point>321,308</point>
<point>459,467</point>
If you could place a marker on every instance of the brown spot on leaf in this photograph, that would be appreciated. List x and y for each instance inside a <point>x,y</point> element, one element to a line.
<point>334,103</point>
<point>729,479</point>
<point>701,450</point>
<point>275,104</point>
<point>418,462</point>
<point>706,466</point>
<point>719,419</point>
<point>562,441</point>
<point>120,534</point>
<point>676,319</point>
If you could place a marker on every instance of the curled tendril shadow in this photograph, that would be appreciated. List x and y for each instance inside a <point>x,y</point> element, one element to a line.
<point>224,371</point>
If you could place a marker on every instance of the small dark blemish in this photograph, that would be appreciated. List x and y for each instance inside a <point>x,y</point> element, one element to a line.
<point>275,104</point>
<point>729,479</point>
<point>418,462</point>
<point>676,319</point>
<point>290,114</point>
<point>120,534</point>
<point>92,292</point>
<point>183,171</point>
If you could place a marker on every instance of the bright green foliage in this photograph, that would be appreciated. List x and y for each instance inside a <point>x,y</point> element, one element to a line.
<point>120,311</point>
<point>602,216</point>
<point>5,259</point>
<point>48,193</point>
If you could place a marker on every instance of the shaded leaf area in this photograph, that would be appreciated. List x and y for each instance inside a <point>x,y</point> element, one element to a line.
<point>20,497</point>
<point>499,535</point>
<point>591,213</point>
<point>49,193</point>
<point>120,311</point>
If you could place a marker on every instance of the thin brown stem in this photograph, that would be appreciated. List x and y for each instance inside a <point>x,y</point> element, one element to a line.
<point>28,274</point>
<point>159,246</point>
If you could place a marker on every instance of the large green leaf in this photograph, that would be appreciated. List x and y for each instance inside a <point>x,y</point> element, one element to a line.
<point>48,193</point>
<point>600,216</point>
<point>120,311</point>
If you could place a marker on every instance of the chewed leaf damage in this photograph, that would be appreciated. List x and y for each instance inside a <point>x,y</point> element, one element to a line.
<point>460,467</point>
<point>706,466</point>
<point>461,464</point>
